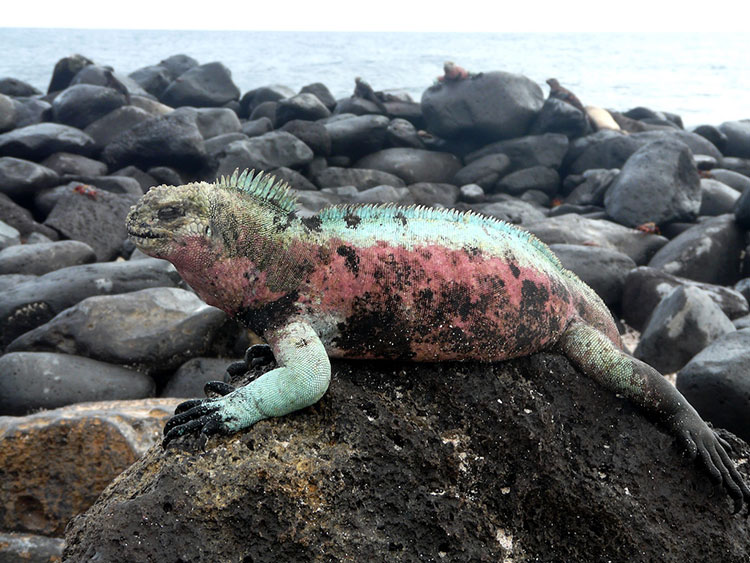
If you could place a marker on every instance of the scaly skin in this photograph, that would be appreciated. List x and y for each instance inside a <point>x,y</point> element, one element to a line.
<point>387,282</point>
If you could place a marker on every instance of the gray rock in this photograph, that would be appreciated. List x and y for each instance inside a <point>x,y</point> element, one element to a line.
<point>98,220</point>
<point>742,211</point>
<point>356,136</point>
<point>717,198</point>
<point>532,150</point>
<point>321,92</point>
<point>22,220</point>
<point>313,201</point>
<point>684,323</point>
<point>273,93</point>
<point>176,65</point>
<point>471,193</point>
<point>47,257</point>
<point>257,127</point>
<point>293,178</point>
<point>413,165</point>
<point>17,88</point>
<point>493,105</point>
<point>603,269</point>
<point>215,145</point>
<point>658,183</point>
<point>113,184</point>
<point>22,179</point>
<point>30,111</point>
<point>362,178</point>
<point>8,281</point>
<point>557,116</point>
<point>40,140</point>
<point>742,322</point>
<point>165,175</point>
<point>212,122</point>
<point>103,76</point>
<point>64,71</point>
<point>107,128</point>
<point>33,303</point>
<point>67,164</point>
<point>153,79</point>
<point>171,140</point>
<point>402,133</point>
<point>574,229</point>
<point>645,287</point>
<point>7,113</point>
<point>358,106</point>
<point>312,133</point>
<point>36,380</point>
<point>738,138</point>
<point>535,178</point>
<point>732,179</point>
<point>9,236</point>
<point>190,378</point>
<point>591,191</point>
<point>736,164</point>
<point>18,546</point>
<point>208,85</point>
<point>380,194</point>
<point>713,135</point>
<point>82,104</point>
<point>152,330</point>
<point>611,150</point>
<point>510,209</point>
<point>146,181</point>
<point>269,151</point>
<point>302,106</point>
<point>430,194</point>
<point>485,171</point>
<point>715,382</point>
<point>708,252</point>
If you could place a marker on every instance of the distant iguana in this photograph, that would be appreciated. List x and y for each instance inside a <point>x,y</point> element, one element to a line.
<point>381,281</point>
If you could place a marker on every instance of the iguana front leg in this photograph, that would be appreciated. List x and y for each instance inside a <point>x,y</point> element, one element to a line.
<point>594,354</point>
<point>301,379</point>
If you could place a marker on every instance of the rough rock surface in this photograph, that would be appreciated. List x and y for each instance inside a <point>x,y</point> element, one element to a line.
<point>521,461</point>
<point>494,105</point>
<point>84,446</point>
<point>716,382</point>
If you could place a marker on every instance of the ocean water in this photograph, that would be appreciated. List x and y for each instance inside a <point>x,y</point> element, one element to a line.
<point>704,77</point>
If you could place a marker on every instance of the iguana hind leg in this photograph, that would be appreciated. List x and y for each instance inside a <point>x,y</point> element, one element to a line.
<point>595,355</point>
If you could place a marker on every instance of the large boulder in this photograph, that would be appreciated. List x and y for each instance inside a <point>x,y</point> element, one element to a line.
<point>83,448</point>
<point>525,460</point>
<point>266,152</point>
<point>658,183</point>
<point>356,136</point>
<point>737,138</point>
<point>716,382</point>
<point>83,104</point>
<point>524,152</point>
<point>575,229</point>
<point>34,302</point>
<point>645,287</point>
<point>40,140</point>
<point>708,252</point>
<point>171,140</point>
<point>22,179</point>
<point>413,165</point>
<point>44,257</point>
<point>208,85</point>
<point>491,105</point>
<point>30,381</point>
<point>685,321</point>
<point>96,217</point>
<point>105,129</point>
<point>152,330</point>
<point>361,178</point>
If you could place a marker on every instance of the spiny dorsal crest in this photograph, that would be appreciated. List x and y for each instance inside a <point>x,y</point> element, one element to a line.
<point>261,186</point>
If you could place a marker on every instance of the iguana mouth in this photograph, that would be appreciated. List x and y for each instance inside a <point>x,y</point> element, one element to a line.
<point>144,234</point>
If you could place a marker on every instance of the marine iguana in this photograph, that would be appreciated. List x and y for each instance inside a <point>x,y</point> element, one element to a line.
<point>387,282</point>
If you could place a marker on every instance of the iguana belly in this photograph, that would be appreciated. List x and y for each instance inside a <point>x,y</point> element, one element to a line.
<point>431,303</point>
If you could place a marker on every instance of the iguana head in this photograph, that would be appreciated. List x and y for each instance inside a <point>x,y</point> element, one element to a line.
<point>169,218</point>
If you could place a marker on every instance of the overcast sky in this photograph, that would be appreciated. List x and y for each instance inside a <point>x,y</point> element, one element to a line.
<point>384,15</point>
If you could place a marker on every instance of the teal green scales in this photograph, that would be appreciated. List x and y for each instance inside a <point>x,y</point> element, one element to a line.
<point>387,282</point>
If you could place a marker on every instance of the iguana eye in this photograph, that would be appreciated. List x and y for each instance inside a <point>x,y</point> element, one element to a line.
<point>207,231</point>
<point>169,213</point>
